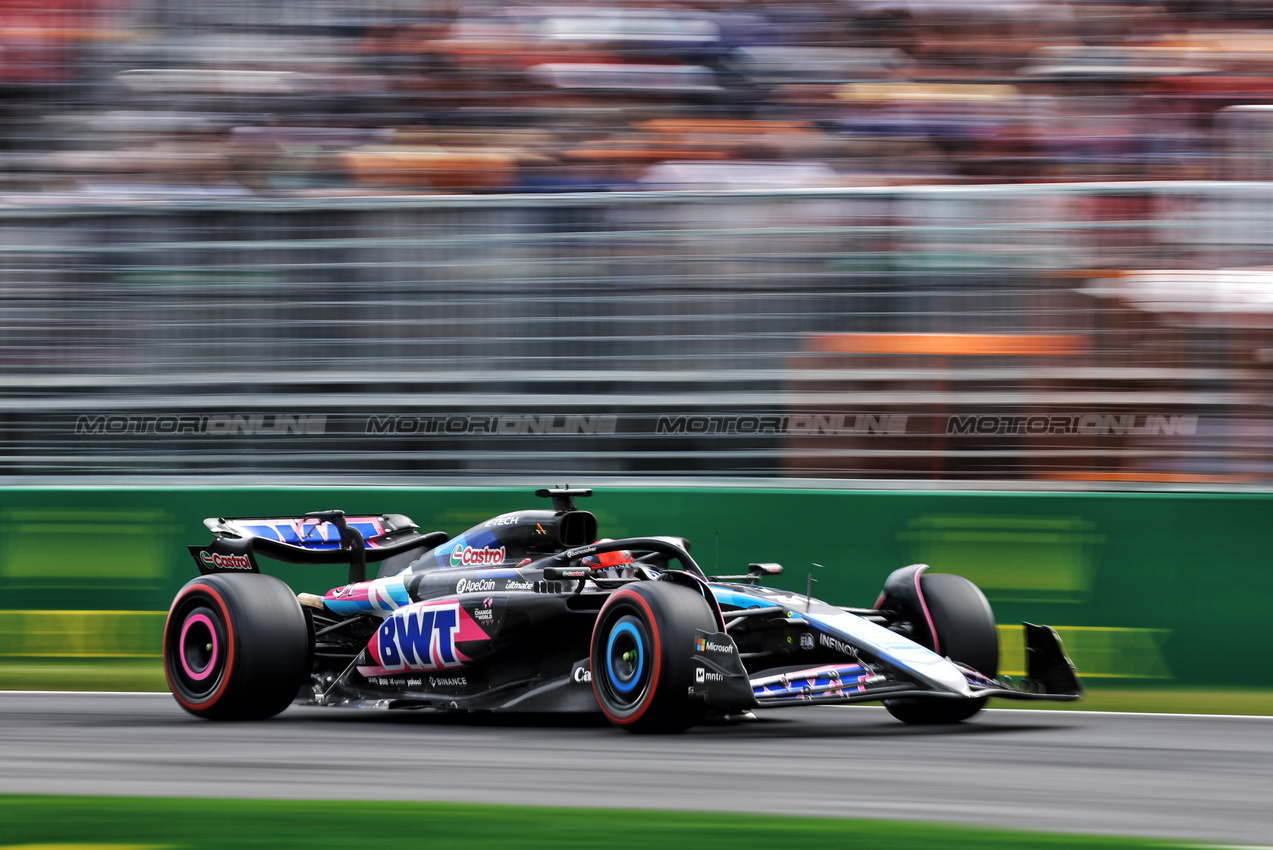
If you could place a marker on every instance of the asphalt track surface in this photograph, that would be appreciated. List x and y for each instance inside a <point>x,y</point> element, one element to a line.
<point>1205,778</point>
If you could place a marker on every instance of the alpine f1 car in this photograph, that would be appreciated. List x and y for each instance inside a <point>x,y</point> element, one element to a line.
<point>529,612</point>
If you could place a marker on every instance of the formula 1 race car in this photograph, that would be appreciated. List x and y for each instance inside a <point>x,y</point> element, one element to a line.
<point>528,611</point>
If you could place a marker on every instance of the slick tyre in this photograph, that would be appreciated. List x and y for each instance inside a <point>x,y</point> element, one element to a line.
<point>965,632</point>
<point>236,647</point>
<point>642,644</point>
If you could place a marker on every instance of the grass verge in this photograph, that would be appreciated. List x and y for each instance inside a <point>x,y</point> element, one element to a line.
<point>1160,699</point>
<point>118,822</point>
<point>82,674</point>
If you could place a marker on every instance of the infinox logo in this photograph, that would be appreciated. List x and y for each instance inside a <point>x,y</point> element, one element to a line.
<point>467,556</point>
<point>218,561</point>
<point>838,645</point>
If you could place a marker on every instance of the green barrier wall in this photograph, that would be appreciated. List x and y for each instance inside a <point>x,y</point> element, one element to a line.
<point>1150,587</point>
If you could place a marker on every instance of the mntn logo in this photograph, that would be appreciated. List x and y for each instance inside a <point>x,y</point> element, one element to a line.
<point>419,639</point>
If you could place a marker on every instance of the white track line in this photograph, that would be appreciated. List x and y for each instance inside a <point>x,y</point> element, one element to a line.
<point>1081,711</point>
<point>1048,711</point>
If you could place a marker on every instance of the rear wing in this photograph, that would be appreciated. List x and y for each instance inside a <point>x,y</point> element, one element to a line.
<point>318,537</point>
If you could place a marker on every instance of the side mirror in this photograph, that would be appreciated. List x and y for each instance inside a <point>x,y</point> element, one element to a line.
<point>755,572</point>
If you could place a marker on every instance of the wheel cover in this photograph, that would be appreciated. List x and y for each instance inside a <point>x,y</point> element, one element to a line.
<point>626,677</point>
<point>198,648</point>
<point>625,657</point>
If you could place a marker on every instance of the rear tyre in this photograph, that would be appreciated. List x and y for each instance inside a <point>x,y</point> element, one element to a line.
<point>642,645</point>
<point>236,647</point>
<point>965,632</point>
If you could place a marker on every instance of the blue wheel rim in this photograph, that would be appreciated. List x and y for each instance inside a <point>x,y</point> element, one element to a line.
<point>623,675</point>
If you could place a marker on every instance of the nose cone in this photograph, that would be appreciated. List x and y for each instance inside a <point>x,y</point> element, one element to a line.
<point>920,662</point>
<point>946,676</point>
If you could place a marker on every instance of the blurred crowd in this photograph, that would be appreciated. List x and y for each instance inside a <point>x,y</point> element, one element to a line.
<point>129,98</point>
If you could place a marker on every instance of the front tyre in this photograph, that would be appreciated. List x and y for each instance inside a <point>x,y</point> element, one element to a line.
<point>236,647</point>
<point>642,645</point>
<point>965,632</point>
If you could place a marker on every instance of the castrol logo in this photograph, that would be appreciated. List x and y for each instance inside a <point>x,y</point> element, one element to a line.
<point>467,556</point>
<point>224,562</point>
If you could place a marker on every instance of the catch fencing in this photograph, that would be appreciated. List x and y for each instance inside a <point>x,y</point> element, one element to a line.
<point>1046,334</point>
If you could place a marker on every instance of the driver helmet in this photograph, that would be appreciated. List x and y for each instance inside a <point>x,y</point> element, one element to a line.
<point>611,560</point>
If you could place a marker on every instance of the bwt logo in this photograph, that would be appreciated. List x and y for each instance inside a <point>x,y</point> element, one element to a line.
<point>419,639</point>
<point>1088,424</point>
<point>511,425</point>
<point>257,424</point>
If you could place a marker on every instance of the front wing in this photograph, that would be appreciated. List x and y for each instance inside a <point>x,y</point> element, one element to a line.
<point>722,681</point>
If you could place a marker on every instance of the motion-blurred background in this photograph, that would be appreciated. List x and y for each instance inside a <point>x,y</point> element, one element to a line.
<point>897,245</point>
<point>863,239</point>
